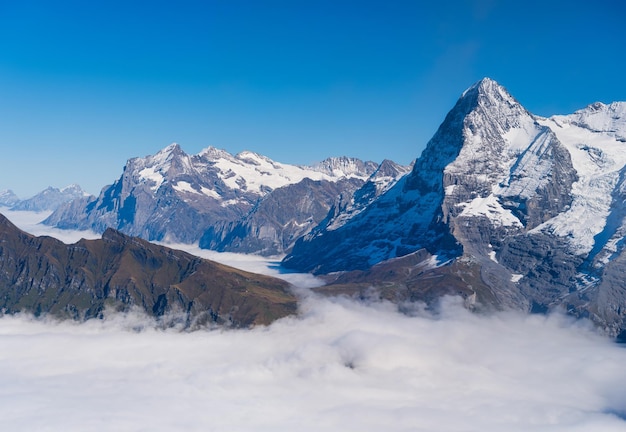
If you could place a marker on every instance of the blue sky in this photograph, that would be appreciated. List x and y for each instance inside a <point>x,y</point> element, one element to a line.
<point>86,85</point>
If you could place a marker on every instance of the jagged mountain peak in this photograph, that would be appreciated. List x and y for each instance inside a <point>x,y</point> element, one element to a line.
<point>613,107</point>
<point>164,155</point>
<point>470,167</point>
<point>486,87</point>
<point>612,111</point>
<point>489,100</point>
<point>493,123</point>
<point>8,198</point>
<point>213,153</point>
<point>158,168</point>
<point>490,94</point>
<point>74,188</point>
<point>486,127</point>
<point>389,168</point>
<point>345,166</point>
<point>114,236</point>
<point>173,150</point>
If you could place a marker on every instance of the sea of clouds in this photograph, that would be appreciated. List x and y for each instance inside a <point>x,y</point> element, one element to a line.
<point>339,365</point>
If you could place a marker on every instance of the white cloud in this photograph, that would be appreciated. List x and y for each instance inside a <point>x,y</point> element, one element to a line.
<point>30,222</point>
<point>339,365</point>
<point>252,263</point>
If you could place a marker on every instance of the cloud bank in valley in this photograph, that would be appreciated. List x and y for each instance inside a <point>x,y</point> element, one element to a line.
<point>30,222</point>
<point>339,365</point>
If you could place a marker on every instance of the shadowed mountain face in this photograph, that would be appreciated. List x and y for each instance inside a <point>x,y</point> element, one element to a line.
<point>277,221</point>
<point>43,275</point>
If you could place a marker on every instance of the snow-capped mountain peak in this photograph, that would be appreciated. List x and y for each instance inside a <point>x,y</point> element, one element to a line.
<point>213,153</point>
<point>485,87</point>
<point>346,167</point>
<point>475,167</point>
<point>74,190</point>
<point>498,135</point>
<point>51,198</point>
<point>253,158</point>
<point>8,198</point>
<point>165,165</point>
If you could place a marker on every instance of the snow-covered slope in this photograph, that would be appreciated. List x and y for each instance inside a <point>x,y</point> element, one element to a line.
<point>344,167</point>
<point>288,212</point>
<point>596,140</point>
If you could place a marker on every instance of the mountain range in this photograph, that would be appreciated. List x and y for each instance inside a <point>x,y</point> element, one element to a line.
<point>503,207</point>
<point>47,200</point>
<point>242,203</point>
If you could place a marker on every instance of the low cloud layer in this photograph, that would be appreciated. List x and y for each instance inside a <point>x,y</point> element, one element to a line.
<point>339,365</point>
<point>252,263</point>
<point>29,221</point>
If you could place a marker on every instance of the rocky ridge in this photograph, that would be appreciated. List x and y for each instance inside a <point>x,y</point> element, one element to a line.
<point>42,275</point>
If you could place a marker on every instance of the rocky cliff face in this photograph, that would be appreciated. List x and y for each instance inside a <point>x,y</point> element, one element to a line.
<point>42,275</point>
<point>279,219</point>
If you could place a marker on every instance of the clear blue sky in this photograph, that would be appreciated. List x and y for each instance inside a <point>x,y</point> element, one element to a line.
<point>85,85</point>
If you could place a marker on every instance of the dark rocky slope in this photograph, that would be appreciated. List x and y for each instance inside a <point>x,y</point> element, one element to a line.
<point>45,276</point>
